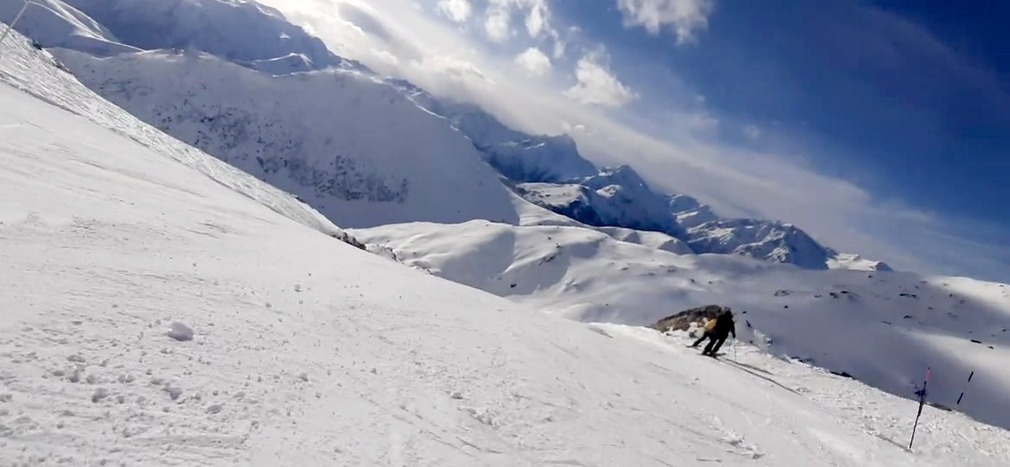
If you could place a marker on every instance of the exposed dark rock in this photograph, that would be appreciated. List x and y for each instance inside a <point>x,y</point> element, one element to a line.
<point>682,321</point>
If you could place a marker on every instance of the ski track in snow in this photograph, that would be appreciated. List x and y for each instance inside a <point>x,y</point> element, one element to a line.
<point>308,351</point>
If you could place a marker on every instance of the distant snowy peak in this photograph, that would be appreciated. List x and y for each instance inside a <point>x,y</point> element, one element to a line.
<point>538,158</point>
<point>783,243</point>
<point>619,197</point>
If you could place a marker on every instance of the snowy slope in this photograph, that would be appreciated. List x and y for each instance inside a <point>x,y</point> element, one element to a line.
<point>882,328</point>
<point>306,351</point>
<point>363,156</point>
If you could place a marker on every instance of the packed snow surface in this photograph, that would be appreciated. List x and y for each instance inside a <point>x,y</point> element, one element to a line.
<point>307,350</point>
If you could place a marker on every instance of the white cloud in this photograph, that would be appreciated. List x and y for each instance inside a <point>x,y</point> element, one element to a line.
<point>534,61</point>
<point>497,24</point>
<point>684,17</point>
<point>536,14</point>
<point>458,11</point>
<point>536,19</point>
<point>598,86</point>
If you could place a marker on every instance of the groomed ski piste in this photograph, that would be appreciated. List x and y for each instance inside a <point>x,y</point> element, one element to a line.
<point>116,241</point>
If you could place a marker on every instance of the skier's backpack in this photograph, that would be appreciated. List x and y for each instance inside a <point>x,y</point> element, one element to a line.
<point>710,325</point>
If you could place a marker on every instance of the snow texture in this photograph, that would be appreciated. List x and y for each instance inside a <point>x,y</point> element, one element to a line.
<point>106,223</point>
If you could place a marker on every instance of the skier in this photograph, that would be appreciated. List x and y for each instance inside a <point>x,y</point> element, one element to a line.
<point>709,325</point>
<point>724,326</point>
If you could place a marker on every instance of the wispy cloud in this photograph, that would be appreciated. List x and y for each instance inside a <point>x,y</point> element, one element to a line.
<point>683,17</point>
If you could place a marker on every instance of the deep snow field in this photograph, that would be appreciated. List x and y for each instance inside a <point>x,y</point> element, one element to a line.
<point>116,240</point>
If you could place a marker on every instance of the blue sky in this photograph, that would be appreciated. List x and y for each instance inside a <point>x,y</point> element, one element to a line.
<point>878,127</point>
<point>906,98</point>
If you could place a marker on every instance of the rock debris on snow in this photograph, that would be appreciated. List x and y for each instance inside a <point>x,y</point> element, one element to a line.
<point>180,332</point>
<point>99,395</point>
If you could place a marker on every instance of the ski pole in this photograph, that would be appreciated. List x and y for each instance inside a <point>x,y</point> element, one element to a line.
<point>963,390</point>
<point>16,19</point>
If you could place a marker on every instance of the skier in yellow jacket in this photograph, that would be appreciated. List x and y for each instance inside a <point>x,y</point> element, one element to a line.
<point>724,326</point>
<point>709,326</point>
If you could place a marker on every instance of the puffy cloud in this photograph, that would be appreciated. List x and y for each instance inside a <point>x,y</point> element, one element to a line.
<point>536,14</point>
<point>497,25</point>
<point>684,17</point>
<point>534,61</point>
<point>598,86</point>
<point>458,11</point>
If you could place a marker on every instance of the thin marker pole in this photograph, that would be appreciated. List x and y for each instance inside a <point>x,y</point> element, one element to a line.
<point>922,401</point>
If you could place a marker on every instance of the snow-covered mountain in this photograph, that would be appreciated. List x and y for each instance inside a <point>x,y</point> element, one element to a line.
<point>551,173</point>
<point>337,154</point>
<point>163,308</point>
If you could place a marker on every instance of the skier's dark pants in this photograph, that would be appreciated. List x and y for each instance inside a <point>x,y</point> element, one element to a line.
<point>713,345</point>
<point>703,337</point>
